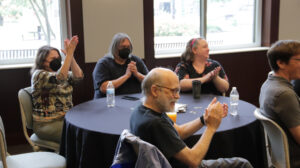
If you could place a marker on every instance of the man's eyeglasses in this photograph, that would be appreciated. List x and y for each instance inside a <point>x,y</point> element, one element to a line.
<point>174,91</point>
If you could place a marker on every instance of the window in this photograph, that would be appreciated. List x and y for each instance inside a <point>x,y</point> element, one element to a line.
<point>225,24</point>
<point>26,25</point>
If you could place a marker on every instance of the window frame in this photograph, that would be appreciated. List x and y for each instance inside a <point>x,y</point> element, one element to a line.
<point>257,15</point>
<point>64,13</point>
<point>269,29</point>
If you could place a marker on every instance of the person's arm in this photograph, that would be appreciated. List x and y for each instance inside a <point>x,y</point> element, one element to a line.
<point>221,84</point>
<point>289,112</point>
<point>70,46</point>
<point>193,156</point>
<point>188,129</point>
<point>139,76</point>
<point>76,70</point>
<point>295,131</point>
<point>70,62</point>
<point>135,72</point>
<point>187,84</point>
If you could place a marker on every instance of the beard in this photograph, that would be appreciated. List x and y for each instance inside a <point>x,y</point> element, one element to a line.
<point>166,105</point>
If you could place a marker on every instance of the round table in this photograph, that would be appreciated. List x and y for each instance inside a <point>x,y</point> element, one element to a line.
<point>91,130</point>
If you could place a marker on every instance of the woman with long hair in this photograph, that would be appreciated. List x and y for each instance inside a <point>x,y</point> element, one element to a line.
<point>52,87</point>
<point>196,65</point>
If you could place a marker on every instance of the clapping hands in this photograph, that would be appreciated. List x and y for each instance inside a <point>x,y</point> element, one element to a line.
<point>70,45</point>
<point>212,74</point>
<point>132,69</point>
<point>214,113</point>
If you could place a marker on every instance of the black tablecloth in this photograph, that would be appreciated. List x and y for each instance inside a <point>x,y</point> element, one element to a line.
<point>91,131</point>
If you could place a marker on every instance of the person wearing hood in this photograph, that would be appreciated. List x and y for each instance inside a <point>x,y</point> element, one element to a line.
<point>126,71</point>
<point>52,88</point>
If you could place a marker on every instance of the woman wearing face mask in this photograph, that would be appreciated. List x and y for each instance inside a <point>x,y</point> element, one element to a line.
<point>125,70</point>
<point>52,89</point>
<point>196,65</point>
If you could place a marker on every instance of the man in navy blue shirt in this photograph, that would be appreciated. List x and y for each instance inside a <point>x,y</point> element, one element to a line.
<point>149,121</point>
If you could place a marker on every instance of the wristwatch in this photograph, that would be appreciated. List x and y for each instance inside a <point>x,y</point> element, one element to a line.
<point>202,120</point>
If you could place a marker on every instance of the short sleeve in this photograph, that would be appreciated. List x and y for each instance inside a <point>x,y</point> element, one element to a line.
<point>166,138</point>
<point>142,68</point>
<point>101,73</point>
<point>182,71</point>
<point>289,109</point>
<point>72,79</point>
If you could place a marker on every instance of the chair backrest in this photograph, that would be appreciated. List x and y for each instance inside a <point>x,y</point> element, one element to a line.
<point>131,151</point>
<point>277,139</point>
<point>3,147</point>
<point>25,101</point>
<point>26,160</point>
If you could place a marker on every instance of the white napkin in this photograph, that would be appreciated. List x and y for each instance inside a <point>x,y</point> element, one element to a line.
<point>180,108</point>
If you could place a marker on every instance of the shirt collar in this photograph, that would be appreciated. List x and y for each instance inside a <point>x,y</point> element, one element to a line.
<point>271,76</point>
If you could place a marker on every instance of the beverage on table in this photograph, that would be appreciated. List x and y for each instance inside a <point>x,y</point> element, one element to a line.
<point>234,101</point>
<point>172,116</point>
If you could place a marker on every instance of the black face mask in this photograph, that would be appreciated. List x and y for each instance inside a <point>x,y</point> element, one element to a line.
<point>124,53</point>
<point>55,64</point>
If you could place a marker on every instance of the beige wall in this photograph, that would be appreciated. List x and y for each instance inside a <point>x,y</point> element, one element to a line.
<point>289,20</point>
<point>104,18</point>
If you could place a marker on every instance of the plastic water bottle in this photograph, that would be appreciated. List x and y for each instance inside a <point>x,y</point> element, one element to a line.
<point>110,94</point>
<point>234,101</point>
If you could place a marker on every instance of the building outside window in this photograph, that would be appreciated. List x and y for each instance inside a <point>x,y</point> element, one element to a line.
<point>26,25</point>
<point>225,24</point>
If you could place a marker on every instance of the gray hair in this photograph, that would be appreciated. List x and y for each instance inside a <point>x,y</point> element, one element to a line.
<point>115,43</point>
<point>188,56</point>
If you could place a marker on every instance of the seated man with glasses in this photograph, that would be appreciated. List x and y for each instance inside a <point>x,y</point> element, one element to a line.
<point>149,121</point>
<point>277,99</point>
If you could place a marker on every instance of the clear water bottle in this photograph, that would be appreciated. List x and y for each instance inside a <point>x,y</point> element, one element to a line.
<point>234,101</point>
<point>110,94</point>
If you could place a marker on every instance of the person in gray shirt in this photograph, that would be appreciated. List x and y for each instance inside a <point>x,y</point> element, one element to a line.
<point>277,99</point>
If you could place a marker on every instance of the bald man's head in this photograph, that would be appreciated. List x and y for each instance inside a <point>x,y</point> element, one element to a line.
<point>158,76</point>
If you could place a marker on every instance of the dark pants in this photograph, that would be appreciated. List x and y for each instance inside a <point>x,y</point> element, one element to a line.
<point>235,162</point>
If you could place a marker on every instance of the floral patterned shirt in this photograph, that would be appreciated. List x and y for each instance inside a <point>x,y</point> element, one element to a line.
<point>187,71</point>
<point>51,97</point>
